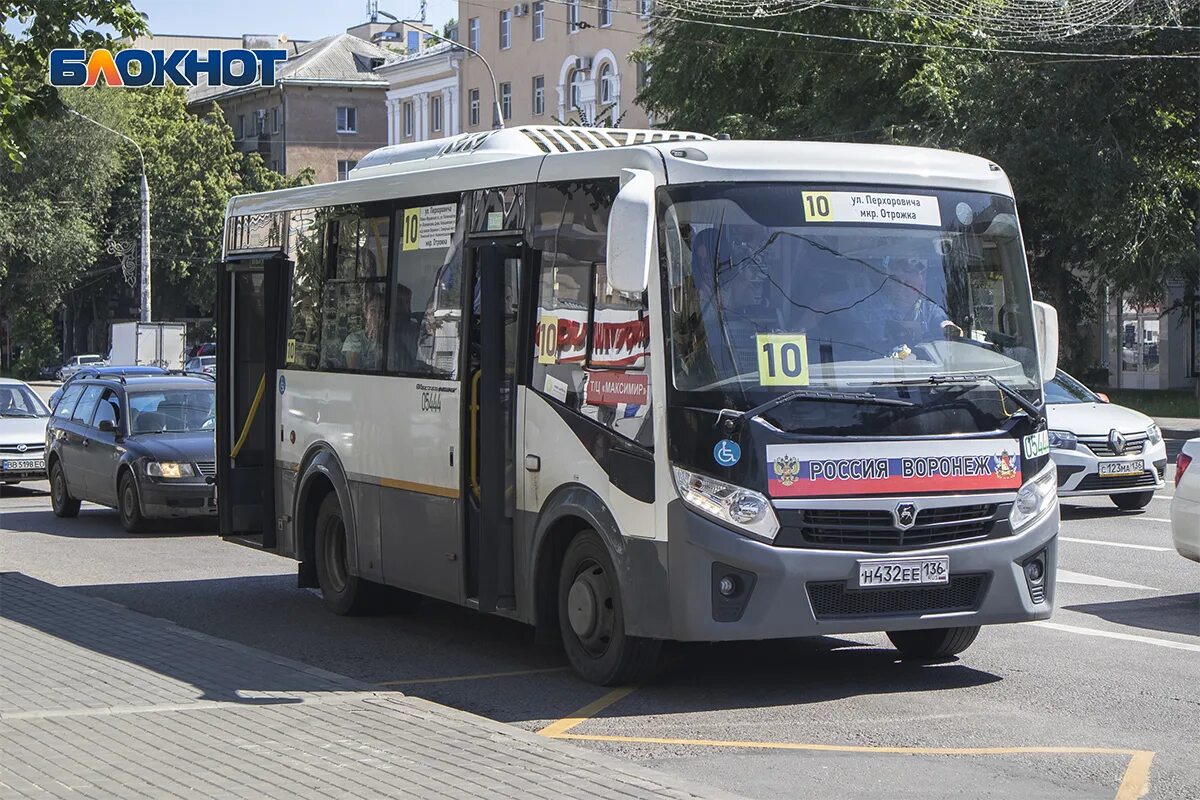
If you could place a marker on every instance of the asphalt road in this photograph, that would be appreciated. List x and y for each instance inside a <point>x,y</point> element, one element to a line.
<point>1111,680</point>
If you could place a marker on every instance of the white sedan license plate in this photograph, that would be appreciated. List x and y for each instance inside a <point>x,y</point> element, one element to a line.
<point>903,572</point>
<point>1122,467</point>
<point>22,465</point>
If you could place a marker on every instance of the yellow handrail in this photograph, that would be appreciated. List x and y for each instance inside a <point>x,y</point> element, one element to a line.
<point>258,395</point>
<point>474,409</point>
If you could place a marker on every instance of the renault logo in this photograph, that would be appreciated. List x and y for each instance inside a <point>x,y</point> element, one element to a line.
<point>21,448</point>
<point>1116,440</point>
<point>904,515</point>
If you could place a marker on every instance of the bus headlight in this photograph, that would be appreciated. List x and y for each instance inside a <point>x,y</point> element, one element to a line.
<point>1034,499</point>
<point>169,469</point>
<point>733,505</point>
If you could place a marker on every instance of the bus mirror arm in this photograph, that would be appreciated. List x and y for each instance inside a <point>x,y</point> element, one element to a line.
<point>631,232</point>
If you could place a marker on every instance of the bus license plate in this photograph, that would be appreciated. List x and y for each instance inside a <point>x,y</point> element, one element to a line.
<point>1122,467</point>
<point>22,465</point>
<point>903,572</point>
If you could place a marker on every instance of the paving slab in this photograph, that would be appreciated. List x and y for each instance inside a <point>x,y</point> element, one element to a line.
<point>100,701</point>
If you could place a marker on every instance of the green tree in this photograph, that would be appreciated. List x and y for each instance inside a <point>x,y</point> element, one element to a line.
<point>1101,153</point>
<point>25,95</point>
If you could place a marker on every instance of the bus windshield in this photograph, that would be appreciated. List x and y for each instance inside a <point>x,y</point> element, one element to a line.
<point>783,286</point>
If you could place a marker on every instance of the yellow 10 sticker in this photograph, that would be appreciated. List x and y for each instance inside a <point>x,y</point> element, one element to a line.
<point>816,207</point>
<point>412,228</point>
<point>547,340</point>
<point>782,359</point>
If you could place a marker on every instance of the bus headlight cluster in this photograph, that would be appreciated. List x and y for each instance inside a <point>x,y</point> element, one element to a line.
<point>733,505</point>
<point>1034,499</point>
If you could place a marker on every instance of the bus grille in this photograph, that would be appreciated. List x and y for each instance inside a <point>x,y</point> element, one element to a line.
<point>845,528</point>
<point>207,468</point>
<point>835,599</point>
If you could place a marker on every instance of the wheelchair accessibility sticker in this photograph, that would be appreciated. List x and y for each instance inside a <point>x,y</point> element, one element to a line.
<point>727,453</point>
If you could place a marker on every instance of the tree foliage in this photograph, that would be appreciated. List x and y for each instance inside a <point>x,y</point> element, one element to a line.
<point>1102,154</point>
<point>43,25</point>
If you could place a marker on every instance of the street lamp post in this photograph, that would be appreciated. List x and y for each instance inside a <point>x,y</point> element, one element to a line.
<point>145,244</point>
<point>472,51</point>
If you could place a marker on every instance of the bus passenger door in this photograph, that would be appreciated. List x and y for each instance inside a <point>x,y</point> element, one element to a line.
<point>251,312</point>
<point>497,320</point>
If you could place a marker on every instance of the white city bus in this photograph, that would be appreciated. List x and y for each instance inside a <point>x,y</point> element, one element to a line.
<point>636,386</point>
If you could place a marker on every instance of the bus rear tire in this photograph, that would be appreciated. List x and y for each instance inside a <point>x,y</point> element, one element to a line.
<point>934,642</point>
<point>591,618</point>
<point>343,593</point>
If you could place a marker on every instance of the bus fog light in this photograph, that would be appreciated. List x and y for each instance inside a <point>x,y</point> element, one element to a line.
<point>727,586</point>
<point>1035,569</point>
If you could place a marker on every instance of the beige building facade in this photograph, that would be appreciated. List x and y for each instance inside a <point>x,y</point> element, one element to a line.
<point>424,99</point>
<point>565,62</point>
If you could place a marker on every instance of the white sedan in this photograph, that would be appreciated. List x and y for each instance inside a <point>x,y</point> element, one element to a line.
<point>1185,505</point>
<point>1100,448</point>
<point>23,418</point>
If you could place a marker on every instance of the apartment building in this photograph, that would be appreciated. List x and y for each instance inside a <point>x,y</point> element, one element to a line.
<point>325,111</point>
<point>424,100</point>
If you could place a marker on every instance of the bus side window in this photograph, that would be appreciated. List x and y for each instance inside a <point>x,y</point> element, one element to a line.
<point>308,286</point>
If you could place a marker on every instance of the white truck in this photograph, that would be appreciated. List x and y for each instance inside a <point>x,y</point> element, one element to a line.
<point>159,344</point>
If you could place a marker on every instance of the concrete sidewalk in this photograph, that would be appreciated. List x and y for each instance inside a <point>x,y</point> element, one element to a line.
<point>97,701</point>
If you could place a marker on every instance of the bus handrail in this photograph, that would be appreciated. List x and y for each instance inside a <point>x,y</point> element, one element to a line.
<point>258,395</point>
<point>474,408</point>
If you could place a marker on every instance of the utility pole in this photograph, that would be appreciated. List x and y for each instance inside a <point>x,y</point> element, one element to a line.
<point>145,237</point>
<point>472,51</point>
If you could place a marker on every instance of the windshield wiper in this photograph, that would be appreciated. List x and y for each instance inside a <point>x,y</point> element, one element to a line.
<point>861,398</point>
<point>1029,407</point>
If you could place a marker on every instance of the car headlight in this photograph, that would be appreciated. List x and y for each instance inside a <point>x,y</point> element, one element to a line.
<point>1034,499</point>
<point>1154,434</point>
<point>1062,440</point>
<point>727,503</point>
<point>169,469</point>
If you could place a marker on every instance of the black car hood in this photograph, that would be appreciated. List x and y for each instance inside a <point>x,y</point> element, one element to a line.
<point>191,446</point>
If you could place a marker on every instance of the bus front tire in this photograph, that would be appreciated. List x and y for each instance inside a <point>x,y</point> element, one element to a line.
<point>343,593</point>
<point>934,642</point>
<point>591,619</point>
<point>1132,501</point>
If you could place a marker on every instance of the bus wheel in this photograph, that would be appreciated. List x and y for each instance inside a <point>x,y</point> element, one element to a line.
<point>591,621</point>
<point>933,643</point>
<point>343,593</point>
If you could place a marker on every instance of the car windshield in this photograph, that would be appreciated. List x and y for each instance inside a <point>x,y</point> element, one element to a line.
<point>1065,389</point>
<point>779,286</point>
<point>20,401</point>
<point>172,411</point>
<point>90,359</point>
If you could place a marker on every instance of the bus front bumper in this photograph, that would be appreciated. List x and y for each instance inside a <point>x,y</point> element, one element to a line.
<point>789,592</point>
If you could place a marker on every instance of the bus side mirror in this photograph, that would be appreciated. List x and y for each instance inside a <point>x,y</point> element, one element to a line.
<point>631,232</point>
<point>1045,325</point>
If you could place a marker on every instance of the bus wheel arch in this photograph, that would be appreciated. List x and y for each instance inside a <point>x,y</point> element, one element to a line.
<point>321,476</point>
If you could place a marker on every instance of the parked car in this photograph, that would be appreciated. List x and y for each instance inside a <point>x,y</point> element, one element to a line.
<point>202,349</point>
<point>1100,448</point>
<point>1185,505</point>
<point>205,364</point>
<point>93,372</point>
<point>23,418</point>
<point>144,445</point>
<point>74,363</point>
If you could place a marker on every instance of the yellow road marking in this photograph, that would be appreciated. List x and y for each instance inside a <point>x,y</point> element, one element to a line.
<point>478,677</point>
<point>1136,780</point>
<point>560,728</point>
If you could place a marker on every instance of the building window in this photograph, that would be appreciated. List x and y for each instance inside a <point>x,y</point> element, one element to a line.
<point>539,21</point>
<point>606,13</point>
<point>473,33</point>
<point>577,79</point>
<point>643,75</point>
<point>276,119</point>
<point>435,112</point>
<point>260,121</point>
<point>347,119</point>
<point>414,41</point>
<point>505,29</point>
<point>539,94</point>
<point>572,16</point>
<point>506,100</point>
<point>473,98</point>
<point>645,7</point>
<point>241,126</point>
<point>606,83</point>
<point>344,168</point>
<point>408,119</point>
